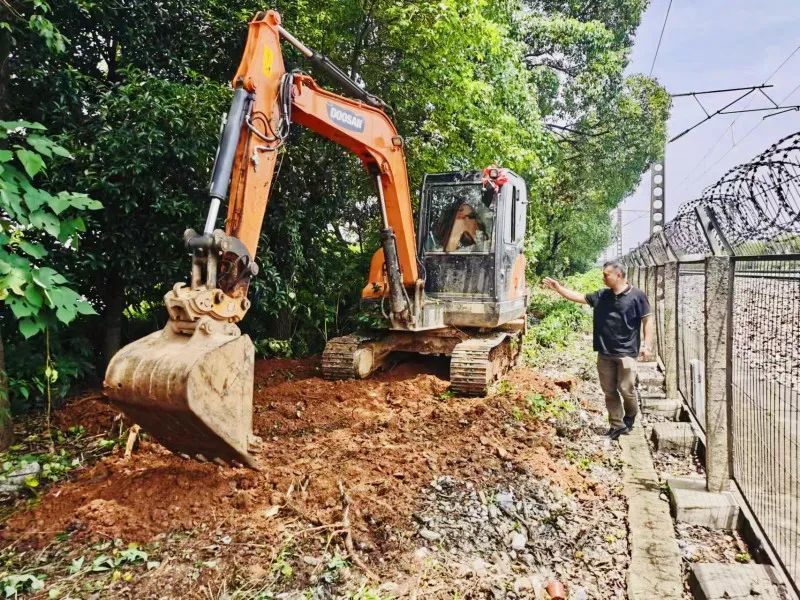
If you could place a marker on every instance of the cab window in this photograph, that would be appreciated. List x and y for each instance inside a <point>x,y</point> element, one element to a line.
<point>460,219</point>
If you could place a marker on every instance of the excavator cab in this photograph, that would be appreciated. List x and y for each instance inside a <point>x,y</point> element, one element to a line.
<point>471,246</point>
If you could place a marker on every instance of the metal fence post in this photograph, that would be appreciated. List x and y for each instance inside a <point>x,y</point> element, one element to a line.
<point>718,305</point>
<point>670,341</point>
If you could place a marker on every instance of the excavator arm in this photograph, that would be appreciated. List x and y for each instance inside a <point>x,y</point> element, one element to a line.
<point>267,101</point>
<point>190,385</point>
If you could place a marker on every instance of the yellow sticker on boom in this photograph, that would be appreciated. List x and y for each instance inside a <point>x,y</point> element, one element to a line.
<point>266,66</point>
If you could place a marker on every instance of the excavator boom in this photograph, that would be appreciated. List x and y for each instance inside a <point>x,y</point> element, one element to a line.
<point>190,385</point>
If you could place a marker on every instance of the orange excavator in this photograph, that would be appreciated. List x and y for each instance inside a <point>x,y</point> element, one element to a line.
<point>455,287</point>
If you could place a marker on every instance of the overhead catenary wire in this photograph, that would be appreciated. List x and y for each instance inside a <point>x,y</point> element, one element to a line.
<point>743,138</point>
<point>680,186</point>
<point>660,37</point>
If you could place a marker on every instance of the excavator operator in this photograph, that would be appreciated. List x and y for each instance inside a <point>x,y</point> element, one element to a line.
<point>467,233</point>
<point>462,227</point>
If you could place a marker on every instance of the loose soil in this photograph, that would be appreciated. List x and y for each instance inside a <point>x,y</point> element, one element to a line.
<point>344,464</point>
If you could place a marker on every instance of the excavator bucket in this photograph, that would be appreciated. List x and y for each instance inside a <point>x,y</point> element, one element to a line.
<point>192,393</point>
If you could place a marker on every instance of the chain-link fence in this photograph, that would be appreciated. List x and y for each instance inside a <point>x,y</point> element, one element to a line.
<point>691,337</point>
<point>765,397</point>
<point>750,218</point>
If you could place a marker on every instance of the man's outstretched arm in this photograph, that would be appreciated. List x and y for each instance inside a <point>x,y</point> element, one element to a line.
<point>565,292</point>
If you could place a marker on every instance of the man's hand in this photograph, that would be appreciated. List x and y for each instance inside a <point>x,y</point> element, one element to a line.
<point>551,283</point>
<point>648,325</point>
<point>572,295</point>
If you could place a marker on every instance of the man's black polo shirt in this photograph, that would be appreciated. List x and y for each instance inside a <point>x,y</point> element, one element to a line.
<point>618,320</point>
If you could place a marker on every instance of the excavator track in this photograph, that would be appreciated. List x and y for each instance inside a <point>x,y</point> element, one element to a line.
<point>477,363</point>
<point>350,356</point>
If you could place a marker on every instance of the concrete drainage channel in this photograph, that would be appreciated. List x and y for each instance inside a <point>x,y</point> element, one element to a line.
<point>711,551</point>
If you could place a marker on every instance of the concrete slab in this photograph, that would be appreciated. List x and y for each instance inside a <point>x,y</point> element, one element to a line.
<point>711,581</point>
<point>655,394</point>
<point>692,503</point>
<point>655,557</point>
<point>665,407</point>
<point>674,438</point>
<point>650,376</point>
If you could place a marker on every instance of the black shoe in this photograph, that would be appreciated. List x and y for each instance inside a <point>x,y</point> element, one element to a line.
<point>629,421</point>
<point>615,433</point>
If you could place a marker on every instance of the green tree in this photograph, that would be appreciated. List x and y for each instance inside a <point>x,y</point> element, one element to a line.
<point>594,172</point>
<point>31,221</point>
<point>606,128</point>
<point>130,98</point>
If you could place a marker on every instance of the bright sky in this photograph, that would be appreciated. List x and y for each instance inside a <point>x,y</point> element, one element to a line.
<point>711,44</point>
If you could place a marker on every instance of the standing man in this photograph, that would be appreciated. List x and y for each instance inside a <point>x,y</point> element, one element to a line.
<point>619,313</point>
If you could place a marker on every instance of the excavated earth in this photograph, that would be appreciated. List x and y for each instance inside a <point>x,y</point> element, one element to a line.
<point>393,471</point>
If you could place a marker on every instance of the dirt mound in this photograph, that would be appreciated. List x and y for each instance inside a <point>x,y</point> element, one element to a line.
<point>91,412</point>
<point>384,439</point>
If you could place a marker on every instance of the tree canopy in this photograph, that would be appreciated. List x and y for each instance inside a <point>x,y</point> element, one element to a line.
<point>134,90</point>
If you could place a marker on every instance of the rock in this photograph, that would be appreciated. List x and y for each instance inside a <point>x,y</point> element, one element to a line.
<point>6,489</point>
<point>480,568</point>
<point>518,541</point>
<point>579,593</point>
<point>505,498</point>
<point>19,476</point>
<point>429,535</point>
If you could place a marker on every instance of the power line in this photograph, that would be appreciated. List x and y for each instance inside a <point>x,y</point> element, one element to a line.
<point>743,138</point>
<point>780,66</point>
<point>660,37</point>
<point>636,219</point>
<point>680,185</point>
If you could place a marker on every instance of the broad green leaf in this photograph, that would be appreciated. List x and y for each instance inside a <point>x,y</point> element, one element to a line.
<point>76,565</point>
<point>46,221</point>
<point>44,277</point>
<point>59,203</point>
<point>102,563</point>
<point>35,198</point>
<point>14,280</point>
<point>21,307</point>
<point>69,227</point>
<point>41,144</point>
<point>13,203</point>
<point>31,161</point>
<point>34,250</point>
<point>66,313</point>
<point>12,125</point>
<point>6,155</point>
<point>84,308</point>
<point>33,295</point>
<point>30,327</point>
<point>61,151</point>
<point>81,201</point>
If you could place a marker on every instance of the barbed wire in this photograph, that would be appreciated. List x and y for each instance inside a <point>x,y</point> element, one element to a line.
<point>753,209</point>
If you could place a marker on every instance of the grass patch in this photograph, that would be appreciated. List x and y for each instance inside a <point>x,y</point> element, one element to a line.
<point>557,321</point>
